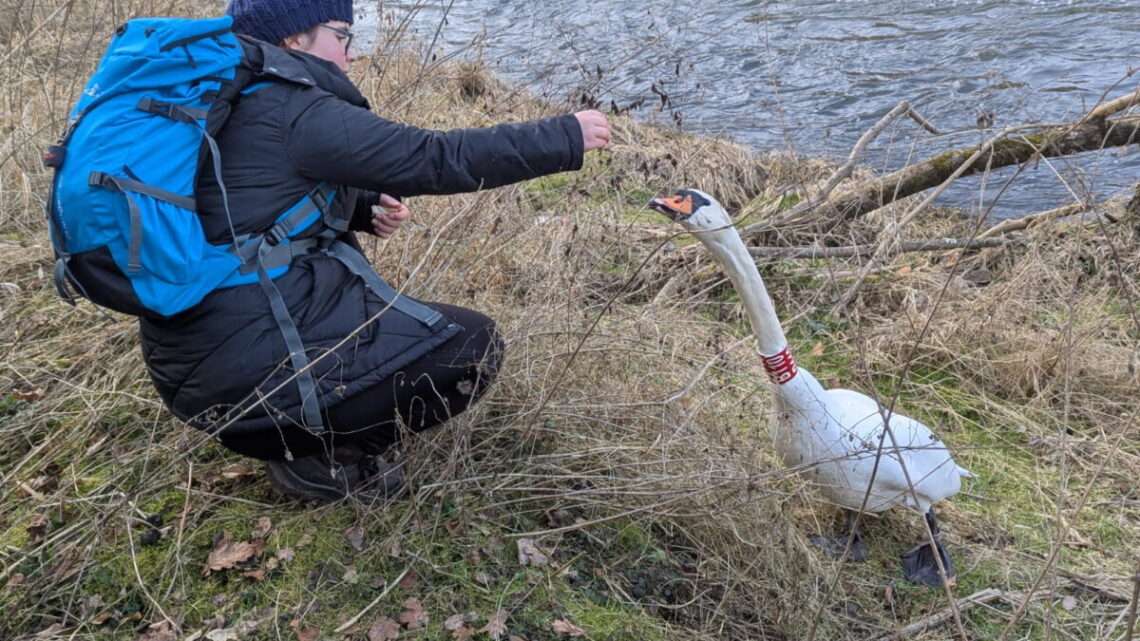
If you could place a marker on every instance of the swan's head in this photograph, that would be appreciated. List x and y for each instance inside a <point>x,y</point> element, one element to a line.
<point>694,209</point>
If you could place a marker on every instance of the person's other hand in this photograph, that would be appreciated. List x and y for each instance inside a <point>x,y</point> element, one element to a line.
<point>595,129</point>
<point>388,215</point>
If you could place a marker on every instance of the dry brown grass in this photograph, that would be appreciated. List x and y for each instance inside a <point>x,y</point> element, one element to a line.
<point>627,433</point>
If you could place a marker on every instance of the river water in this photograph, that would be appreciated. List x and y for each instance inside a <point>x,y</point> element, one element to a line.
<point>813,75</point>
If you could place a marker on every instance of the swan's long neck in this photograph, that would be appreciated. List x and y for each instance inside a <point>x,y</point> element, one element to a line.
<point>729,249</point>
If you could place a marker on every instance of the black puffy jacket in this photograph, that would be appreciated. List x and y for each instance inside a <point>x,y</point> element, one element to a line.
<point>301,123</point>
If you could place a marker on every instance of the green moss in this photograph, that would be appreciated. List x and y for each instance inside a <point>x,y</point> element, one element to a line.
<point>614,622</point>
<point>632,214</point>
<point>548,192</point>
<point>10,405</point>
<point>789,200</point>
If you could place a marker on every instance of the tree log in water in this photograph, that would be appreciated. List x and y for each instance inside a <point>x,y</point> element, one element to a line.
<point>1010,147</point>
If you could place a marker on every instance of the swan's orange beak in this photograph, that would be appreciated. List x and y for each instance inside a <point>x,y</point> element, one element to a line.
<point>675,207</point>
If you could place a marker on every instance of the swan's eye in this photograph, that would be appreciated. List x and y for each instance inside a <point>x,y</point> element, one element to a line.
<point>682,204</point>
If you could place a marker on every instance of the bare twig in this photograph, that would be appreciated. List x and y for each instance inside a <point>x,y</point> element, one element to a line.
<point>1135,603</point>
<point>852,251</point>
<point>1025,222</point>
<point>939,618</point>
<point>843,171</point>
<point>1057,545</point>
<point>387,590</point>
<point>922,122</point>
<point>138,575</point>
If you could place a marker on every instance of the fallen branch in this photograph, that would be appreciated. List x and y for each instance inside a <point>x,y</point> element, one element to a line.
<point>943,616</point>
<point>1090,584</point>
<point>1115,106</point>
<point>1005,150</point>
<point>889,238</point>
<point>845,171</point>
<point>852,251</point>
<point>1025,222</point>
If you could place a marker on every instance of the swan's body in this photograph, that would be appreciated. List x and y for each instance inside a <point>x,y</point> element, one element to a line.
<point>837,432</point>
<point>833,434</point>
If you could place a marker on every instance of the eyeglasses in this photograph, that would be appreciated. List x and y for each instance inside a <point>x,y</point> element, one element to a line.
<point>344,35</point>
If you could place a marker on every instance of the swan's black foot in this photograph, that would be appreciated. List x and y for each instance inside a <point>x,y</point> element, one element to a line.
<point>834,546</point>
<point>919,564</point>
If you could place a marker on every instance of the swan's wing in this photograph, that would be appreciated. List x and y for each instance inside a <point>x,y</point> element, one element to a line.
<point>928,462</point>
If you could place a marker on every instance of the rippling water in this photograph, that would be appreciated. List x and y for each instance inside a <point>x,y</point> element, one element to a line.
<point>813,75</point>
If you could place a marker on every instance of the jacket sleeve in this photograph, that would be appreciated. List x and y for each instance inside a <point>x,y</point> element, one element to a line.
<point>335,141</point>
<point>362,213</point>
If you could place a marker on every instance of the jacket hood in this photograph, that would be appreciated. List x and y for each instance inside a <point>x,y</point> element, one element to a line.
<point>301,68</point>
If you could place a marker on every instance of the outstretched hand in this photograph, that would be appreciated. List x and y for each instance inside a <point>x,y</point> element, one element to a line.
<point>595,129</point>
<point>388,216</point>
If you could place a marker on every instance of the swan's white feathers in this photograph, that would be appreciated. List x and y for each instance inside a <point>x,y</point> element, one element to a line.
<point>833,434</point>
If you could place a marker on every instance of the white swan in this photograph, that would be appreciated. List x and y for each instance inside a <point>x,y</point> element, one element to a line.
<point>835,433</point>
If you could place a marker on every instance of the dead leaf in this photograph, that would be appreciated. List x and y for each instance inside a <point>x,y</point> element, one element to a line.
<point>223,634</point>
<point>304,634</point>
<point>530,554</point>
<point>238,470</point>
<point>351,576</point>
<point>497,626</point>
<point>161,631</point>
<point>384,629</point>
<point>46,482</point>
<point>483,578</point>
<point>817,349</point>
<point>567,629</point>
<point>50,632</point>
<point>355,537</point>
<point>262,528</point>
<point>393,549</point>
<point>285,554</point>
<point>457,625</point>
<point>28,395</point>
<point>227,554</point>
<point>257,574</point>
<point>413,615</point>
<point>66,566</point>
<point>1077,540</point>
<point>37,529</point>
<point>410,581</point>
<point>101,618</point>
<point>1069,603</point>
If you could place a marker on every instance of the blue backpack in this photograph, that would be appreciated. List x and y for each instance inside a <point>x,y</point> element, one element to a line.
<point>123,220</point>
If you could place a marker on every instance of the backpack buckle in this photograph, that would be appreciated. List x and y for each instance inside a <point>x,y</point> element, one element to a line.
<point>276,234</point>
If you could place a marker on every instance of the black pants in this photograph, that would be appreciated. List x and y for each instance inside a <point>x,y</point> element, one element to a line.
<point>423,394</point>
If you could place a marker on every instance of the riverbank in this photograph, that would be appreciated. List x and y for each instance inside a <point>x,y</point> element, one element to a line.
<point>619,478</point>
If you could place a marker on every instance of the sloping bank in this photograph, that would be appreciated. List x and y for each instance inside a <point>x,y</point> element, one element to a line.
<point>619,479</point>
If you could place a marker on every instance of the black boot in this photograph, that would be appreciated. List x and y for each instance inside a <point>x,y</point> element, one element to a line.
<point>349,472</point>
